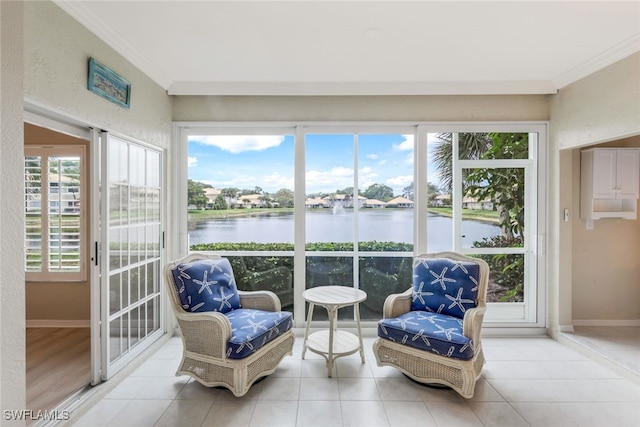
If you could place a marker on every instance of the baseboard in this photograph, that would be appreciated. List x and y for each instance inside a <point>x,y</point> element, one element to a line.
<point>36,323</point>
<point>566,328</point>
<point>606,322</point>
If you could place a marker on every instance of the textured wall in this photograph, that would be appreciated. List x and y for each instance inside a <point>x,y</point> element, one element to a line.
<point>361,108</point>
<point>56,55</point>
<point>12,321</point>
<point>605,260</point>
<point>601,107</point>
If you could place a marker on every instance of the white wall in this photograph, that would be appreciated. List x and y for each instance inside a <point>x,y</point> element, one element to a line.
<point>601,107</point>
<point>45,60</point>
<point>56,54</point>
<point>361,108</point>
<point>12,320</point>
<point>56,57</point>
<point>605,261</point>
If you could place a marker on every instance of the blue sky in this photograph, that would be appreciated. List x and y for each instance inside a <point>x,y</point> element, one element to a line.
<point>248,161</point>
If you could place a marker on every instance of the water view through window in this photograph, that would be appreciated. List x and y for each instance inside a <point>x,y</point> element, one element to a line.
<point>359,207</point>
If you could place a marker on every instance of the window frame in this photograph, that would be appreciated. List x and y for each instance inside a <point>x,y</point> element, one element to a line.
<point>45,152</point>
<point>535,315</point>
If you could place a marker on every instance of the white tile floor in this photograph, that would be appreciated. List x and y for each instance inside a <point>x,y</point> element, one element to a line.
<point>526,382</point>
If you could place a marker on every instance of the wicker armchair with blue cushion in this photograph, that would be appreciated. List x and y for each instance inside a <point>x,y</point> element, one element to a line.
<point>231,338</point>
<point>431,332</point>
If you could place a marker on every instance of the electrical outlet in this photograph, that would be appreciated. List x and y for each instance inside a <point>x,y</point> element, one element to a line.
<point>589,224</point>
<point>566,215</point>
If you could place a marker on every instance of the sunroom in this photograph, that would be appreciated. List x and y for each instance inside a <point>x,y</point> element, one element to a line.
<point>335,169</point>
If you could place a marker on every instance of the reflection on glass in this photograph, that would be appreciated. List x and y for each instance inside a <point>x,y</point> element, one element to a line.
<point>265,273</point>
<point>380,277</point>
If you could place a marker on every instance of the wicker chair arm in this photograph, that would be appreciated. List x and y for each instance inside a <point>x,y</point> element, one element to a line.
<point>397,304</point>
<point>472,323</point>
<point>259,300</point>
<point>205,333</point>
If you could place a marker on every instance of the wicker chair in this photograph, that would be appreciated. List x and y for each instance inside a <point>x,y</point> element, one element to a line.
<point>230,338</point>
<point>431,332</point>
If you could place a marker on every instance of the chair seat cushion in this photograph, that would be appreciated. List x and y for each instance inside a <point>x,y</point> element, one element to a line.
<point>438,333</point>
<point>252,329</point>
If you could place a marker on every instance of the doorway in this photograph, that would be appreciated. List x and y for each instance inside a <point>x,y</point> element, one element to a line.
<point>57,215</point>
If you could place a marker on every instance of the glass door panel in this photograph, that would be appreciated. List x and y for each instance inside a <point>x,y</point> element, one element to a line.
<point>132,259</point>
<point>485,202</point>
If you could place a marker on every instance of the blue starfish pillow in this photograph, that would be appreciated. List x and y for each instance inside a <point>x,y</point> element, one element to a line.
<point>206,285</point>
<point>445,286</point>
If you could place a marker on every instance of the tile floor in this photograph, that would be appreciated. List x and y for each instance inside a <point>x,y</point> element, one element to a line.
<point>615,346</point>
<point>526,382</point>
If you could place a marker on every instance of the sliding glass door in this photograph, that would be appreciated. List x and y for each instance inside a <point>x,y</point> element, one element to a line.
<point>132,244</point>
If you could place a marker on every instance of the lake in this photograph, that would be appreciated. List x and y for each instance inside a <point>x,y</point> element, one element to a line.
<point>394,225</point>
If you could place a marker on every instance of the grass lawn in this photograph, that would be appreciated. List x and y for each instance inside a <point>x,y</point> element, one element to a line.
<point>227,213</point>
<point>477,214</point>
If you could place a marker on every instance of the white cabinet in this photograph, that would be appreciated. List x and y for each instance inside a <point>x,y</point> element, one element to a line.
<point>609,183</point>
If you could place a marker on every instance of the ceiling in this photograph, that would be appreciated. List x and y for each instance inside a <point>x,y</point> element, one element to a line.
<point>362,47</point>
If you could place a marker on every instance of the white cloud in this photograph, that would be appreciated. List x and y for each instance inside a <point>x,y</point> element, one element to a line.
<point>372,156</point>
<point>191,161</point>
<point>330,180</point>
<point>406,145</point>
<point>269,183</point>
<point>400,181</point>
<point>239,143</point>
<point>408,160</point>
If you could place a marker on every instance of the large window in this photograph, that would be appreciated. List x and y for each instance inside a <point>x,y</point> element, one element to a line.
<point>54,204</point>
<point>366,199</point>
<point>240,204</point>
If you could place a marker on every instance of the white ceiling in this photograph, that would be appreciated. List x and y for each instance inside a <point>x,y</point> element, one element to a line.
<point>362,47</point>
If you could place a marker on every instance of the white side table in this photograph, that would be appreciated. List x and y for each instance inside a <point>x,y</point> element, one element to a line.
<point>333,343</point>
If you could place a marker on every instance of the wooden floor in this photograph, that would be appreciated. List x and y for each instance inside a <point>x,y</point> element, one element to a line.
<point>58,365</point>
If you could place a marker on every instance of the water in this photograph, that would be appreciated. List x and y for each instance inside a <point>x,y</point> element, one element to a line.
<point>325,226</point>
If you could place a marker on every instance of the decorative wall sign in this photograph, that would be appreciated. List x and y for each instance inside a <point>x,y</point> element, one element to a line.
<point>109,85</point>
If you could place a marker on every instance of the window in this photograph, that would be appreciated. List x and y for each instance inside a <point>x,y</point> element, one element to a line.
<point>369,197</point>
<point>54,203</point>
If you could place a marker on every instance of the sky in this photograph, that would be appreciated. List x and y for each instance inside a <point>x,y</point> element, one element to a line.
<point>267,161</point>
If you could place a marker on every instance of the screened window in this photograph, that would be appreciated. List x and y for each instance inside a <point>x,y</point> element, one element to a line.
<point>54,206</point>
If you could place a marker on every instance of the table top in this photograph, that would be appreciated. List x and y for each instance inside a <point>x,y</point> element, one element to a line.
<point>334,295</point>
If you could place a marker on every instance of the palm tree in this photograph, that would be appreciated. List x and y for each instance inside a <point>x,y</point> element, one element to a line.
<point>472,146</point>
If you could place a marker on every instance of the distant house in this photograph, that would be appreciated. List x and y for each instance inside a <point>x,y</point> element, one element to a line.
<point>400,202</point>
<point>253,201</point>
<point>315,203</point>
<point>343,200</point>
<point>212,194</point>
<point>474,203</point>
<point>374,204</point>
<point>442,200</point>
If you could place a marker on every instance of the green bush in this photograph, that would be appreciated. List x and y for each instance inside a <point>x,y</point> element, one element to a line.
<point>507,270</point>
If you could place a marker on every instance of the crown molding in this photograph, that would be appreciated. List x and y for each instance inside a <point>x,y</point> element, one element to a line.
<point>83,14</point>
<point>597,63</point>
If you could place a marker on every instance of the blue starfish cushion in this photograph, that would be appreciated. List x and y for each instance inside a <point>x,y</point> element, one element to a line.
<point>438,333</point>
<point>252,329</point>
<point>206,285</point>
<point>445,286</point>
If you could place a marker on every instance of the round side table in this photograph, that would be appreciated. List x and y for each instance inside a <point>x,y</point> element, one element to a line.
<point>333,343</point>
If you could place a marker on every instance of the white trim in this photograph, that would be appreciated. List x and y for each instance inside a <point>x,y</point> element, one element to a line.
<point>607,322</point>
<point>566,328</point>
<point>514,315</point>
<point>611,56</point>
<point>53,323</point>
